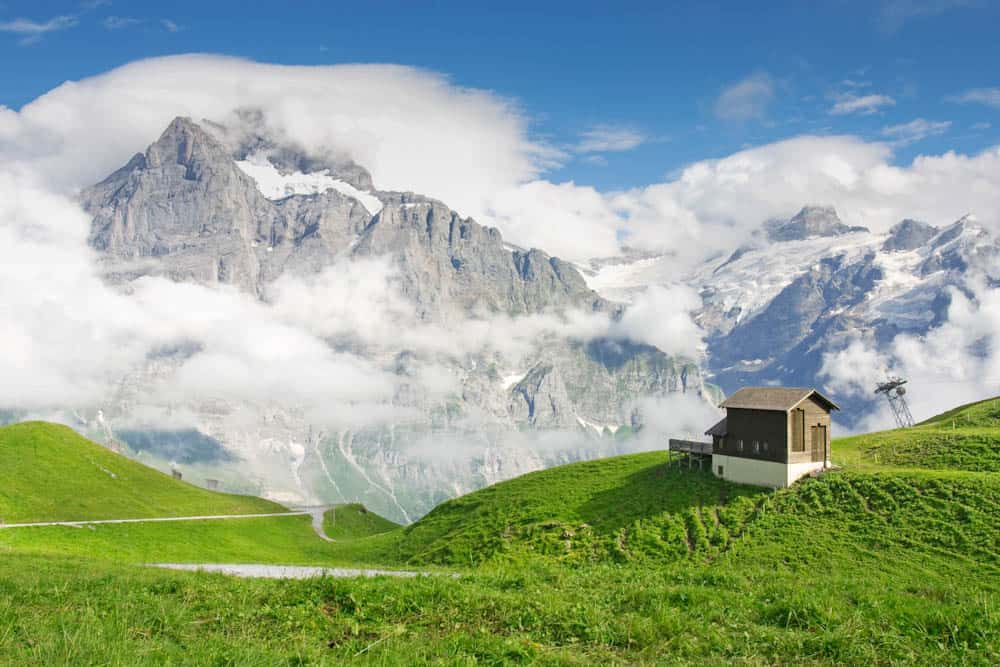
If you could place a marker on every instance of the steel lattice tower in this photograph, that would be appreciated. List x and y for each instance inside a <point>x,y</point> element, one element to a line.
<point>895,392</point>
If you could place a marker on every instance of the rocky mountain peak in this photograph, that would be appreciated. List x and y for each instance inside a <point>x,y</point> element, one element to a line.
<point>909,235</point>
<point>248,135</point>
<point>186,144</point>
<point>811,221</point>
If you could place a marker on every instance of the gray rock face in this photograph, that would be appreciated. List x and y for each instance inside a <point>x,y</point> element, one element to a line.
<point>207,218</point>
<point>185,210</point>
<point>451,266</point>
<point>810,222</point>
<point>909,235</point>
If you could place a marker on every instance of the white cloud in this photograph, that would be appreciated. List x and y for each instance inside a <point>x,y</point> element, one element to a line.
<point>895,13</point>
<point>472,150</point>
<point>746,99</point>
<point>915,130</point>
<point>607,138</point>
<point>170,26</point>
<point>119,22</point>
<point>864,104</point>
<point>33,31</point>
<point>684,416</point>
<point>68,339</point>
<point>955,363</point>
<point>662,316</point>
<point>713,205</point>
<point>988,96</point>
<point>411,128</point>
<point>571,221</point>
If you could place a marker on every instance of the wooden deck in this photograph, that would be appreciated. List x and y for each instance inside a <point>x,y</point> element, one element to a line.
<point>697,452</point>
<point>691,447</point>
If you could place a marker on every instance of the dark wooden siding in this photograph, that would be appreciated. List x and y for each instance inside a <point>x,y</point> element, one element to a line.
<point>756,426</point>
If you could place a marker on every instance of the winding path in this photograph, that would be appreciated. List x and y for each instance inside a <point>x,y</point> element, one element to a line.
<point>94,522</point>
<point>315,512</point>
<point>241,570</point>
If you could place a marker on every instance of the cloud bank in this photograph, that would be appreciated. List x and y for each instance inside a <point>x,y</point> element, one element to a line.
<point>414,130</point>
<point>67,337</point>
<point>411,128</point>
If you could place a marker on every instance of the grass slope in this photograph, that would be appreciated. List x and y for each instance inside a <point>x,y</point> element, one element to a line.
<point>618,561</point>
<point>51,473</point>
<point>354,521</point>
<point>852,568</point>
<point>613,509</point>
<point>965,438</point>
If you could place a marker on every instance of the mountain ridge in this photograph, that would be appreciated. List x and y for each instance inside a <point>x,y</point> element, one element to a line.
<point>188,211</point>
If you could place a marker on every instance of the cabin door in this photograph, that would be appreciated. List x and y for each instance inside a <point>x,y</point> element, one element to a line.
<point>818,443</point>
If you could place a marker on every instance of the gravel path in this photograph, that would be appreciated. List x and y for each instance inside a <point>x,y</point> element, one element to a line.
<point>316,513</point>
<point>150,520</point>
<point>287,571</point>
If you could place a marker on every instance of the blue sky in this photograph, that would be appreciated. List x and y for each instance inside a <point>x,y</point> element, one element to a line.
<point>634,93</point>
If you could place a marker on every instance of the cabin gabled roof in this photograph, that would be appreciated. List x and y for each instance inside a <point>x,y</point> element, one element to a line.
<point>719,429</point>
<point>774,398</point>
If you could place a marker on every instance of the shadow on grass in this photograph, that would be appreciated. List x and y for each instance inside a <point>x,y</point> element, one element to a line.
<point>658,489</point>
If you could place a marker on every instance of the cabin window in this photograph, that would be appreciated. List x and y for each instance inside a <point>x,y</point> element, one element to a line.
<point>756,446</point>
<point>739,445</point>
<point>765,445</point>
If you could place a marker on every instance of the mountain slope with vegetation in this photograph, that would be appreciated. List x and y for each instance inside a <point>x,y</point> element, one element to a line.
<point>51,473</point>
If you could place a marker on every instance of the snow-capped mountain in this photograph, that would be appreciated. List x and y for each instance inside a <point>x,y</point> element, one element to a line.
<point>808,286</point>
<point>494,355</point>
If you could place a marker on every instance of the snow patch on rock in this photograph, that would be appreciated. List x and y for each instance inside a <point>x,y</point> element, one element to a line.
<point>275,185</point>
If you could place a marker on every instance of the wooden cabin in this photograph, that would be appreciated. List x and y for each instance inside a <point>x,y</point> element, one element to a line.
<point>772,436</point>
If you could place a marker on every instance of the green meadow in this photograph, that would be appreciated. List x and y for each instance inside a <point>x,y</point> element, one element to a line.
<point>51,473</point>
<point>892,560</point>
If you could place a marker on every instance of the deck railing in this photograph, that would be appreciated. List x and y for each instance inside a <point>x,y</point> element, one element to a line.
<point>690,446</point>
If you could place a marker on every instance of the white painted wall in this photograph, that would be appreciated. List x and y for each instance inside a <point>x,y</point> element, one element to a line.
<point>799,470</point>
<point>761,473</point>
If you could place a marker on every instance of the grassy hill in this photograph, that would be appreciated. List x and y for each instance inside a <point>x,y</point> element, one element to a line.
<point>965,438</point>
<point>355,521</point>
<point>615,509</point>
<point>51,473</point>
